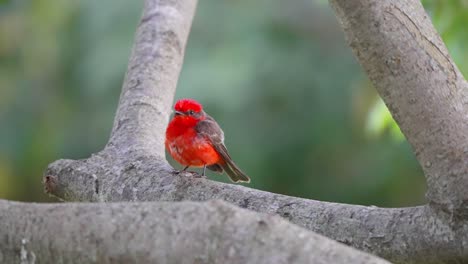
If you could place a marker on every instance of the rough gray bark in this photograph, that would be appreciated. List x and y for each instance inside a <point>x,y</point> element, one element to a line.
<point>151,78</point>
<point>187,232</point>
<point>410,67</point>
<point>408,64</point>
<point>410,235</point>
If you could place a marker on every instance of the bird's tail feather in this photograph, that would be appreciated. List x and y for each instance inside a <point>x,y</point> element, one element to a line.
<point>229,166</point>
<point>234,172</point>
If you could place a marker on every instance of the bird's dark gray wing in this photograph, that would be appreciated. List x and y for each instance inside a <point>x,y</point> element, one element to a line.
<point>210,129</point>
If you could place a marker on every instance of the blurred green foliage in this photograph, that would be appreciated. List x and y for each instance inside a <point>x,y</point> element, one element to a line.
<point>279,78</point>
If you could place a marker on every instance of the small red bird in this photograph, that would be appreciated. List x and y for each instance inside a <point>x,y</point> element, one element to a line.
<point>194,139</point>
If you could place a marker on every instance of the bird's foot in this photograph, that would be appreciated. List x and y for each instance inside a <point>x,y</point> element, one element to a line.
<point>183,172</point>
<point>192,174</point>
<point>200,176</point>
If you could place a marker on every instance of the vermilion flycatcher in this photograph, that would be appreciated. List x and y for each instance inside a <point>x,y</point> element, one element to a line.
<point>194,139</point>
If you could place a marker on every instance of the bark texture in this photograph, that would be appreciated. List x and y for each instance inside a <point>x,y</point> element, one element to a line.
<point>188,232</point>
<point>409,235</point>
<point>410,67</point>
<point>151,78</point>
<point>408,64</point>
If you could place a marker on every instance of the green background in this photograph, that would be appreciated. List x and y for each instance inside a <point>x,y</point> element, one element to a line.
<point>299,115</point>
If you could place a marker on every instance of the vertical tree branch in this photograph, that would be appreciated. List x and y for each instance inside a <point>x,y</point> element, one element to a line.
<point>152,74</point>
<point>410,67</point>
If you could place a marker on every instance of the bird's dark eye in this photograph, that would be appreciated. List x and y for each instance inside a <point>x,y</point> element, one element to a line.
<point>191,112</point>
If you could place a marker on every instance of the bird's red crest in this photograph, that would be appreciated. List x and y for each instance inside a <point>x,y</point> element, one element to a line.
<point>185,105</point>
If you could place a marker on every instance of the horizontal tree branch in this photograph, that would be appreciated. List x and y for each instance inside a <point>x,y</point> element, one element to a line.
<point>187,232</point>
<point>409,235</point>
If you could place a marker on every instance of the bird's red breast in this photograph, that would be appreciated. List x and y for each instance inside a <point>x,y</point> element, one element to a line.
<point>186,146</point>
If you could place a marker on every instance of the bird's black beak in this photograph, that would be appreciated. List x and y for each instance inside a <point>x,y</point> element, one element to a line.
<point>178,113</point>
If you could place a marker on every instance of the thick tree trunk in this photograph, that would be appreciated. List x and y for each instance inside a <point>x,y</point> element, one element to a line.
<point>408,64</point>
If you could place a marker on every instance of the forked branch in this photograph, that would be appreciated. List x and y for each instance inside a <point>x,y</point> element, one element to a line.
<point>408,64</point>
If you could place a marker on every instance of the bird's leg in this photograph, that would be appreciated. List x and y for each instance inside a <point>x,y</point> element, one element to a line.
<point>204,170</point>
<point>184,170</point>
<point>195,175</point>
